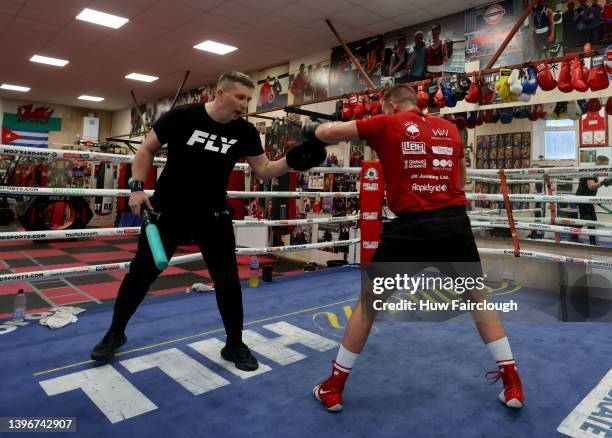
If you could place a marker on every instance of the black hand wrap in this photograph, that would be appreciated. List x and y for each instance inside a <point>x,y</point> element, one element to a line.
<point>308,152</point>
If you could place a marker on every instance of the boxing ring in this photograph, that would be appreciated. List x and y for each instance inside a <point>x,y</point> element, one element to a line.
<point>418,378</point>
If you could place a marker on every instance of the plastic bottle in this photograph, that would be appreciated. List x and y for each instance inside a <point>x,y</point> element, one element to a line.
<point>254,276</point>
<point>20,305</point>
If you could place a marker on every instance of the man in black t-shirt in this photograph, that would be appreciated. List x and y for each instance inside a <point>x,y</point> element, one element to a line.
<point>588,186</point>
<point>205,141</point>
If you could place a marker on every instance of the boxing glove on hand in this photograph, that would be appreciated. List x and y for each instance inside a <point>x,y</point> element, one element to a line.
<point>308,152</point>
<point>598,77</point>
<point>565,83</point>
<point>606,182</point>
<point>578,82</point>
<point>545,77</point>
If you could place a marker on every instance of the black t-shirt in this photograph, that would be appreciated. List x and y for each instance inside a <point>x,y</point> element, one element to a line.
<point>201,156</point>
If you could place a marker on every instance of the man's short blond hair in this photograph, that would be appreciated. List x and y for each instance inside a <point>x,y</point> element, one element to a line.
<point>227,80</point>
<point>403,94</point>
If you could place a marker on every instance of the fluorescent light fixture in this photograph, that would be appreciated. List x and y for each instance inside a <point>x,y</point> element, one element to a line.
<point>214,47</point>
<point>92,98</point>
<point>14,87</point>
<point>141,77</point>
<point>50,61</point>
<point>101,18</point>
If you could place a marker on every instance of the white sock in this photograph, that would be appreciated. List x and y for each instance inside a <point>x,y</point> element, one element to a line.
<point>500,350</point>
<point>346,359</point>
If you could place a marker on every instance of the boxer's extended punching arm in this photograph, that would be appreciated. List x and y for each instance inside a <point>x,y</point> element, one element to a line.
<point>266,169</point>
<point>334,132</point>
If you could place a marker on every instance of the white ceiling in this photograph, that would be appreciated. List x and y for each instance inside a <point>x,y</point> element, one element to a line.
<point>159,39</point>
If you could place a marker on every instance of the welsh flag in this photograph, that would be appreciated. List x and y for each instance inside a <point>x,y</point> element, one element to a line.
<point>25,137</point>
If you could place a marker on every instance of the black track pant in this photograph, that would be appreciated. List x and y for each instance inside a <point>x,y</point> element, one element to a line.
<point>215,237</point>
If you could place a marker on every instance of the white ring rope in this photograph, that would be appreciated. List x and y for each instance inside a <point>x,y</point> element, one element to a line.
<point>543,227</point>
<point>552,171</point>
<point>500,211</point>
<point>69,191</point>
<point>110,267</point>
<point>93,269</point>
<point>105,232</point>
<point>547,257</point>
<point>48,191</point>
<point>559,221</point>
<point>52,154</point>
<point>566,199</point>
<point>118,158</point>
<point>509,181</point>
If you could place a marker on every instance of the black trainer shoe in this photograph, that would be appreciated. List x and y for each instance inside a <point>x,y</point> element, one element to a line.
<point>105,350</point>
<point>241,356</point>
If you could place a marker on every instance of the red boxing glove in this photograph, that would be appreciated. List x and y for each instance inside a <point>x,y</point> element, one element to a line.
<point>422,97</point>
<point>488,116</point>
<point>593,105</point>
<point>474,93</point>
<point>598,77</point>
<point>347,110</point>
<point>565,84</point>
<point>533,115</point>
<point>609,106</point>
<point>577,82</point>
<point>358,108</point>
<point>545,78</point>
<point>439,99</point>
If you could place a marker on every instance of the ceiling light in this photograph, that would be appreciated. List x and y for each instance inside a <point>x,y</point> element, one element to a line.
<point>14,87</point>
<point>101,18</point>
<point>218,48</point>
<point>50,61</point>
<point>91,98</point>
<point>141,77</point>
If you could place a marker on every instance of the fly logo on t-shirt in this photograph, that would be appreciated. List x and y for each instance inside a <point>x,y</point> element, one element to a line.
<point>210,141</point>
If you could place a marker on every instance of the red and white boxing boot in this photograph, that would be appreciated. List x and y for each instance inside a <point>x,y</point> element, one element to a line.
<point>512,395</point>
<point>329,392</point>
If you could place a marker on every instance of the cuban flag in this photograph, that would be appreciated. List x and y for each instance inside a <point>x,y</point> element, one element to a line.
<point>25,137</point>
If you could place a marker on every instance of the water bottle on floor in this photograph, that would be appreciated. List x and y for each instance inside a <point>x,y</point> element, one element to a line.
<point>254,275</point>
<point>20,305</point>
